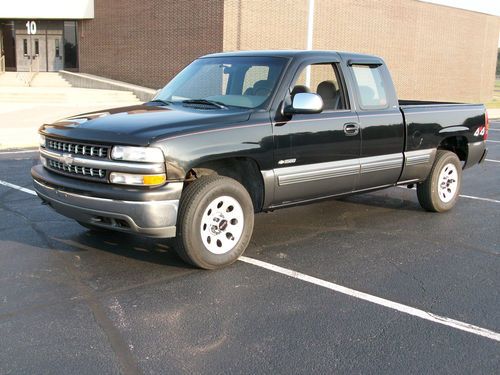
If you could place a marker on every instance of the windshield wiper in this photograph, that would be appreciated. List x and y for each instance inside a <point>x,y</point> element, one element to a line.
<point>166,102</point>
<point>205,101</point>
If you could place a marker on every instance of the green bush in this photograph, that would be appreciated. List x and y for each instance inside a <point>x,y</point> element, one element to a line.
<point>498,63</point>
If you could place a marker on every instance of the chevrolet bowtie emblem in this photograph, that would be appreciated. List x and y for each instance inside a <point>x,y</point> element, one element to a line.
<point>67,159</point>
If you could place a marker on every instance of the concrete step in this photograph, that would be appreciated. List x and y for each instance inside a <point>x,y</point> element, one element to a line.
<point>60,95</point>
<point>49,79</point>
<point>13,79</point>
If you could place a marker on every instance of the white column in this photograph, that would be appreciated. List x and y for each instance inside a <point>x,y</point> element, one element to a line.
<point>310,31</point>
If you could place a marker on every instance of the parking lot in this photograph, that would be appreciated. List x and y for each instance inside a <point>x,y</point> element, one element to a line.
<point>364,284</point>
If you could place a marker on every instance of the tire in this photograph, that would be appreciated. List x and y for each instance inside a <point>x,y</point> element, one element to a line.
<point>215,222</point>
<point>440,191</point>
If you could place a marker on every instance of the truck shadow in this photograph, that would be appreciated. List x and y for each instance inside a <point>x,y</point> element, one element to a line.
<point>156,251</point>
<point>347,213</point>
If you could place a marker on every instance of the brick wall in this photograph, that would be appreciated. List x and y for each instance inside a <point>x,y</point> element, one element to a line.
<point>148,42</point>
<point>433,52</point>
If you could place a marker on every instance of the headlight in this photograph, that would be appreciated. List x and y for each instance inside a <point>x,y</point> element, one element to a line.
<point>137,179</point>
<point>41,140</point>
<point>140,154</point>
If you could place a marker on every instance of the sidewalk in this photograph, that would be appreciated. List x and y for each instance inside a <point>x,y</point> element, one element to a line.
<point>494,113</point>
<point>24,109</point>
<point>19,122</point>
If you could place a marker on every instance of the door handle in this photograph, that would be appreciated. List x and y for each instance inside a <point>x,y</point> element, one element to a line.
<point>351,129</point>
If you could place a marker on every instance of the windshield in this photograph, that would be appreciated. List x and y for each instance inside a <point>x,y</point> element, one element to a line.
<point>246,82</point>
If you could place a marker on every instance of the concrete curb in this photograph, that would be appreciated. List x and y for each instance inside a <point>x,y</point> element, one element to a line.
<point>91,81</point>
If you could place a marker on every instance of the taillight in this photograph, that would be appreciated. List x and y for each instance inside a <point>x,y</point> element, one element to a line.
<point>486,125</point>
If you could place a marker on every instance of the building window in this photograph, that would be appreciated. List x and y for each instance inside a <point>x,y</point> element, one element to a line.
<point>8,34</point>
<point>70,45</point>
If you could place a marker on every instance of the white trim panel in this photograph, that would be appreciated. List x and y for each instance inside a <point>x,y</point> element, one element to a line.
<point>47,9</point>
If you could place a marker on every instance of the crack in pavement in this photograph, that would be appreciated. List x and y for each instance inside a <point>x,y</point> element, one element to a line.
<point>125,358</point>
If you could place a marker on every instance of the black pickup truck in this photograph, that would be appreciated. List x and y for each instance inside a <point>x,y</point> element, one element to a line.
<point>234,134</point>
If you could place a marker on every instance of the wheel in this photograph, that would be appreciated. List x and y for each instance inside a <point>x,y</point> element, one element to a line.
<point>440,191</point>
<point>215,222</point>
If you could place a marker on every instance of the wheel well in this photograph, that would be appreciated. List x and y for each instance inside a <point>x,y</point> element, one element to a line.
<point>456,144</point>
<point>244,170</point>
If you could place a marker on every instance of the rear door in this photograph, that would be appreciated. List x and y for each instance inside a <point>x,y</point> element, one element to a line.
<point>381,125</point>
<point>316,155</point>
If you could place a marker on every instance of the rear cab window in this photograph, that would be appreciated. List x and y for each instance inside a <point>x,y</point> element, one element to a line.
<point>370,86</point>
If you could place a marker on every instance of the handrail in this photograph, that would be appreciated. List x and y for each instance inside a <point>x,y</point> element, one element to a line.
<point>2,64</point>
<point>35,68</point>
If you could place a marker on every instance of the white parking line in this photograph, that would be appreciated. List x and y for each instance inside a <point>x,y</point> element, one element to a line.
<point>493,161</point>
<point>351,292</point>
<point>461,195</point>
<point>489,140</point>
<point>377,300</point>
<point>17,187</point>
<point>480,199</point>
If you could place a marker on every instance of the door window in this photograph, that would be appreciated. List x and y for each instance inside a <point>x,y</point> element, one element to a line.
<point>57,47</point>
<point>370,85</point>
<point>37,47</point>
<point>321,79</point>
<point>25,47</point>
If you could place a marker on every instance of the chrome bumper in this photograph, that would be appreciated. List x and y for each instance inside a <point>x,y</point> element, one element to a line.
<point>148,218</point>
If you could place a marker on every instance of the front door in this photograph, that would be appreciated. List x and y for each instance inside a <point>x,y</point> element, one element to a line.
<point>31,53</point>
<point>317,155</point>
<point>55,57</point>
<point>39,46</point>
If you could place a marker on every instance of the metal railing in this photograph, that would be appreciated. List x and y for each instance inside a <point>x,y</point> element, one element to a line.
<point>2,64</point>
<point>34,69</point>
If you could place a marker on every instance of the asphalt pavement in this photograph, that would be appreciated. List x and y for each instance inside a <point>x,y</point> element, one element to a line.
<point>369,283</point>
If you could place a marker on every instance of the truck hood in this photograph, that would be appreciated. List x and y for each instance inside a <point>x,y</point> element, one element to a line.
<point>141,125</point>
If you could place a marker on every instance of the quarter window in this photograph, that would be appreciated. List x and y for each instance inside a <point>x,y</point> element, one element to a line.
<point>370,86</point>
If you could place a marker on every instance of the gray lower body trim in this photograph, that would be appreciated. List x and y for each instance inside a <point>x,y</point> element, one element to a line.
<point>149,218</point>
<point>379,170</point>
<point>418,164</point>
<point>315,172</point>
<point>298,183</point>
<point>314,180</point>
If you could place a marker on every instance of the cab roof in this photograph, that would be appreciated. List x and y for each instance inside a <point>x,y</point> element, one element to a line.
<point>293,54</point>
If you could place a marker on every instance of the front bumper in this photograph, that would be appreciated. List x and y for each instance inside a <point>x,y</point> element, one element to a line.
<point>152,218</point>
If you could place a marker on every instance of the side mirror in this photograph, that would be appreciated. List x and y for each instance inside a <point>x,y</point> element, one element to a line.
<point>305,103</point>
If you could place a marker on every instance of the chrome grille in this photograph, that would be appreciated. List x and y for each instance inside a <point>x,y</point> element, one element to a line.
<point>78,148</point>
<point>74,170</point>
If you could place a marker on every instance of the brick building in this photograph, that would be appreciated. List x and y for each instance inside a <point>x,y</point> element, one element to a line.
<point>434,51</point>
